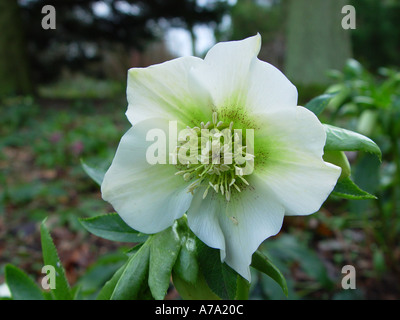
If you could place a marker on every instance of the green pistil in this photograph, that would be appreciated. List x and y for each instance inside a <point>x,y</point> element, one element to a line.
<point>216,174</point>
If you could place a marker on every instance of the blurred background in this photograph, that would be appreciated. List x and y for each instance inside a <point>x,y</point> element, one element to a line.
<point>62,99</point>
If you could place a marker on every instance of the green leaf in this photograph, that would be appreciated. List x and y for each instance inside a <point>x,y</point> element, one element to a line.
<point>163,254</point>
<point>339,159</point>
<point>21,285</point>
<point>339,139</point>
<point>347,189</point>
<point>132,251</point>
<point>242,288</point>
<point>99,273</point>
<point>112,227</point>
<point>221,279</point>
<point>370,182</point>
<point>76,292</point>
<point>199,290</point>
<point>263,264</point>
<point>97,175</point>
<point>186,266</point>
<point>109,287</point>
<point>353,68</point>
<point>62,289</point>
<point>318,104</point>
<point>134,276</point>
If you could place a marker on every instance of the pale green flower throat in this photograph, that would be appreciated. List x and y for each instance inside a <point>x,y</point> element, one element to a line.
<point>214,157</point>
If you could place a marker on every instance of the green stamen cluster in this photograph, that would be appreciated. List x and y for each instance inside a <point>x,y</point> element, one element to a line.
<point>215,158</point>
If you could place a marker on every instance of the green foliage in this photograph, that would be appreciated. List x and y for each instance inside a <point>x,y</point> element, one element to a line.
<point>199,290</point>
<point>62,290</point>
<point>109,287</point>
<point>95,277</point>
<point>186,266</point>
<point>339,139</point>
<point>133,278</point>
<point>164,252</point>
<point>263,264</point>
<point>370,104</point>
<point>318,104</point>
<point>346,188</point>
<point>194,266</point>
<point>112,227</point>
<point>21,286</point>
<point>94,173</point>
<point>221,279</point>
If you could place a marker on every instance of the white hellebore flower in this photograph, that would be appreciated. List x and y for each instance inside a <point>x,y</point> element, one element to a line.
<point>227,208</point>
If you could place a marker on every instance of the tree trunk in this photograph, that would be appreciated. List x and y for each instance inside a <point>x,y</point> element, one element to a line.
<point>14,73</point>
<point>316,41</point>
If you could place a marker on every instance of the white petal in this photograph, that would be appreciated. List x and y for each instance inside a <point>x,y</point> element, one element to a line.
<point>168,90</point>
<point>292,147</point>
<point>203,219</point>
<point>5,291</point>
<point>236,77</point>
<point>147,197</point>
<point>239,226</point>
<point>268,89</point>
<point>225,69</point>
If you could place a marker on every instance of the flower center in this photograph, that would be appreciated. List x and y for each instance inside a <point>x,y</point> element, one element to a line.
<point>215,157</point>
